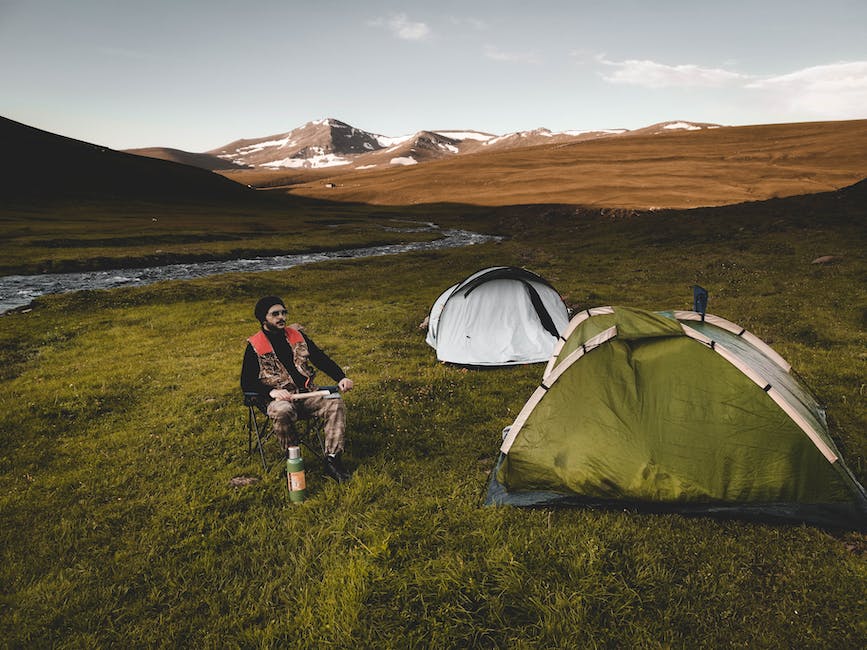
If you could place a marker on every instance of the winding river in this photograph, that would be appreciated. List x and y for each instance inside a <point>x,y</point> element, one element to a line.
<point>19,290</point>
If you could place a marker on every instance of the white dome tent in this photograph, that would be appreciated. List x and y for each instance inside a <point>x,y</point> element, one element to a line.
<point>498,316</point>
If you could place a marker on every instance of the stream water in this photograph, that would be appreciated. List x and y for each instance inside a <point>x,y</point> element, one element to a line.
<point>20,290</point>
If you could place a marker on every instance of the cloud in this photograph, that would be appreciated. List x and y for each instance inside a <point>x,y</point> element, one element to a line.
<point>651,74</point>
<point>495,54</point>
<point>473,23</point>
<point>403,28</point>
<point>836,90</point>
<point>832,91</point>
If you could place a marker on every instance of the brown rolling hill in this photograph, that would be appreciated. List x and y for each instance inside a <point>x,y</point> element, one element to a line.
<point>202,160</point>
<point>677,169</point>
<point>46,166</point>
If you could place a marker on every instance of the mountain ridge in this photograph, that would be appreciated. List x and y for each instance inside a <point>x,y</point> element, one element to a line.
<point>338,146</point>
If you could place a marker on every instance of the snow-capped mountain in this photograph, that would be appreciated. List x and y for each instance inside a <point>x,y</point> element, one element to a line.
<point>411,150</point>
<point>321,143</point>
<point>330,143</point>
<point>545,136</point>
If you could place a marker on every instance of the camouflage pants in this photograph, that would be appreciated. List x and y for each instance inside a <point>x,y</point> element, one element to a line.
<point>285,413</point>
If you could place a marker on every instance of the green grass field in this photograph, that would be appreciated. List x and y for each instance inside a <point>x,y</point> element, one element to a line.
<point>123,426</point>
<point>84,235</point>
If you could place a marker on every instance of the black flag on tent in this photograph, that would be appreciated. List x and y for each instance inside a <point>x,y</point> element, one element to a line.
<point>699,300</point>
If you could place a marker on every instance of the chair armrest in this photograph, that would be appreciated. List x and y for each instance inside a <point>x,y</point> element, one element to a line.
<point>252,399</point>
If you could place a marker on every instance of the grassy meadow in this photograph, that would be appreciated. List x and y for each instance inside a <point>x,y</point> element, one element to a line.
<point>93,234</point>
<point>123,427</point>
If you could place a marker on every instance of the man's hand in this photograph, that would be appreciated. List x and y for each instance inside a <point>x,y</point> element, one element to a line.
<point>345,385</point>
<point>280,393</point>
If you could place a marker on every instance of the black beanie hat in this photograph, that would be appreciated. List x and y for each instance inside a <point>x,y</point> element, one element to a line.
<point>264,304</point>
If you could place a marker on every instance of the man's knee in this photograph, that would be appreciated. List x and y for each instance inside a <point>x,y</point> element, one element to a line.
<point>282,411</point>
<point>334,407</point>
<point>280,406</point>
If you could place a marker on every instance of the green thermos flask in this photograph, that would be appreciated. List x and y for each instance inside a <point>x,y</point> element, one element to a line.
<point>295,475</point>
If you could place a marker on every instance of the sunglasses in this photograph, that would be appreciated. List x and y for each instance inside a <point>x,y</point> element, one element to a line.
<point>279,312</point>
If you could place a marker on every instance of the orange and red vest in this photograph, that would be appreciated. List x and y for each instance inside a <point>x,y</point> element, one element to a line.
<point>271,371</point>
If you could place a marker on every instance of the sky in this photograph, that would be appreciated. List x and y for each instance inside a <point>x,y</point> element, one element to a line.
<point>198,74</point>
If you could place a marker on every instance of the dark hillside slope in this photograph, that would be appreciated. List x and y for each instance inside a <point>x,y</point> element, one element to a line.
<point>47,166</point>
<point>788,222</point>
<point>846,206</point>
<point>752,224</point>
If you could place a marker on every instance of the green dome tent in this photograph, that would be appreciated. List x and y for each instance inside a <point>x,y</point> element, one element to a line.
<point>675,412</point>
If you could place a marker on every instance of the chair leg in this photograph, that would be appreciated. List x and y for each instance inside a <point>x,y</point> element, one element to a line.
<point>312,437</point>
<point>250,431</point>
<point>259,442</point>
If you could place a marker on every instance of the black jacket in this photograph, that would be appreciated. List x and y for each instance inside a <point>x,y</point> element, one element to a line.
<point>250,369</point>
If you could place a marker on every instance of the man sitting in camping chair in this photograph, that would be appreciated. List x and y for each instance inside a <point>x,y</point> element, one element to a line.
<point>277,367</point>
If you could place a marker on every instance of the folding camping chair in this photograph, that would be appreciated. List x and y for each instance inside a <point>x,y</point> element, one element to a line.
<point>311,437</point>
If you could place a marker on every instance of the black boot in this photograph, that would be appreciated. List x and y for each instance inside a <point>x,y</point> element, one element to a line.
<point>335,469</point>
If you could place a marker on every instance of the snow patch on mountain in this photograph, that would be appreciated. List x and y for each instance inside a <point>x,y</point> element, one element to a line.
<point>315,162</point>
<point>600,131</point>
<point>521,135</point>
<point>465,135</point>
<point>403,160</point>
<point>259,146</point>
<point>385,141</point>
